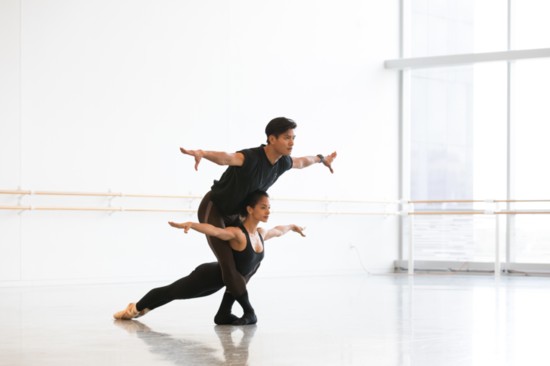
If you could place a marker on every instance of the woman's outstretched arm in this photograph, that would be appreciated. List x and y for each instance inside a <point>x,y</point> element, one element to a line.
<point>282,230</point>
<point>227,233</point>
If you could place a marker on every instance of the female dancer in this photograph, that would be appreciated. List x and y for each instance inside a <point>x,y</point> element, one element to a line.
<point>247,244</point>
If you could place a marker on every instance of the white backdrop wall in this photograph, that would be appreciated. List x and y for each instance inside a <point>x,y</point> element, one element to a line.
<point>100,95</point>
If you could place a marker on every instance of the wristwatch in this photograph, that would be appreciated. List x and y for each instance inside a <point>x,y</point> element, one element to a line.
<point>321,157</point>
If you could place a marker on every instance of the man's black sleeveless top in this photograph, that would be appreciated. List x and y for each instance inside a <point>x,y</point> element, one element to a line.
<point>247,260</point>
<point>237,182</point>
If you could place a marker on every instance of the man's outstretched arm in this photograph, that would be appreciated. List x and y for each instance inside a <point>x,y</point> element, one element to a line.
<point>217,157</point>
<point>305,161</point>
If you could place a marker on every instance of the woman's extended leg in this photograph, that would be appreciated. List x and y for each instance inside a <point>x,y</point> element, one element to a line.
<point>203,281</point>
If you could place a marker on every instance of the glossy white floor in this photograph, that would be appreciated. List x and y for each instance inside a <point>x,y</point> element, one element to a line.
<point>340,320</point>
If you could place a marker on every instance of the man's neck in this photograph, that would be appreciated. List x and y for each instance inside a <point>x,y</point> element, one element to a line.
<point>271,154</point>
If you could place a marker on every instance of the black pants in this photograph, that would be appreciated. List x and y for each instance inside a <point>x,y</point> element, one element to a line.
<point>209,213</point>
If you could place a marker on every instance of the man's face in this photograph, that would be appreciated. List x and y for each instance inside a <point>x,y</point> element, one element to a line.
<point>284,143</point>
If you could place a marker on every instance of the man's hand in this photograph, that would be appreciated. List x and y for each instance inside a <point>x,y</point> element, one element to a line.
<point>328,161</point>
<point>197,154</point>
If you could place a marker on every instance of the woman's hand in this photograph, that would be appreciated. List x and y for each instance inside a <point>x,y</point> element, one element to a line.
<point>298,229</point>
<point>184,225</point>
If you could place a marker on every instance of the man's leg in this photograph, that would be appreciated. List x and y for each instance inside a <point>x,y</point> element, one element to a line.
<point>224,315</point>
<point>234,281</point>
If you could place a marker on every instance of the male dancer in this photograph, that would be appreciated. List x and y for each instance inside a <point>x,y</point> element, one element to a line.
<point>248,170</point>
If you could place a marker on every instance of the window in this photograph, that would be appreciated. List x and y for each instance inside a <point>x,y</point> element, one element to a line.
<point>530,24</point>
<point>531,149</point>
<point>440,27</point>
<point>477,130</point>
<point>458,151</point>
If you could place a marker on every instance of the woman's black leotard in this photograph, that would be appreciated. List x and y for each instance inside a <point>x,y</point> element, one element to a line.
<point>205,280</point>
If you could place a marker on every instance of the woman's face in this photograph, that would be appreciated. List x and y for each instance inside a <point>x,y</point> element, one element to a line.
<point>261,210</point>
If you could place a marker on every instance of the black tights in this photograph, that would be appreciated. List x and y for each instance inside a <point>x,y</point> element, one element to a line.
<point>203,281</point>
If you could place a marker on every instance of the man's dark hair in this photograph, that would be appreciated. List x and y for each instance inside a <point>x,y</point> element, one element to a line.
<point>279,125</point>
<point>251,200</point>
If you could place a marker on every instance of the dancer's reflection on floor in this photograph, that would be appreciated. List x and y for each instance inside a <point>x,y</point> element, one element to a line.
<point>235,352</point>
<point>182,351</point>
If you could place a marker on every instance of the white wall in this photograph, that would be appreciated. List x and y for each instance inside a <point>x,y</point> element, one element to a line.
<point>99,95</point>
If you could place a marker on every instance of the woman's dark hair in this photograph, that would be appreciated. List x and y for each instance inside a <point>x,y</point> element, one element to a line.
<point>251,200</point>
<point>278,126</point>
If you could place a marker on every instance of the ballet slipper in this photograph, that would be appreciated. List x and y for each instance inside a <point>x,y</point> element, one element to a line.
<point>130,312</point>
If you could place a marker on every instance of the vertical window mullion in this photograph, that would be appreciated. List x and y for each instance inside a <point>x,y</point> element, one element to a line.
<point>509,141</point>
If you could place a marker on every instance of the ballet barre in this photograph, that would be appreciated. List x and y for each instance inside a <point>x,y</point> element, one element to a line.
<point>124,209</point>
<point>493,211</point>
<point>134,195</point>
<point>91,194</point>
<point>477,201</point>
<point>401,209</point>
<point>100,209</point>
<point>114,195</point>
<point>527,212</point>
